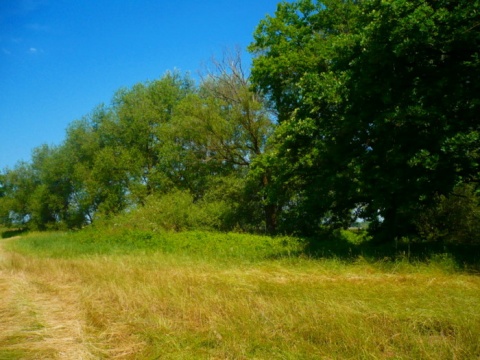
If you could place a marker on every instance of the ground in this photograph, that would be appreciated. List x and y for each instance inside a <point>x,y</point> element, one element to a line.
<point>38,319</point>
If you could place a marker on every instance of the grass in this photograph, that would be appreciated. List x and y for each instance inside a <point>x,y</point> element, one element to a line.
<point>201,295</point>
<point>217,247</point>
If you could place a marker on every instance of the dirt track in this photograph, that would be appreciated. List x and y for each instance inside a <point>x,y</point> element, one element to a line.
<point>38,319</point>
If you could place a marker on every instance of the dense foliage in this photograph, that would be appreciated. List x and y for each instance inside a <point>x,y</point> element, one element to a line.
<point>161,148</point>
<point>354,110</point>
<point>378,104</point>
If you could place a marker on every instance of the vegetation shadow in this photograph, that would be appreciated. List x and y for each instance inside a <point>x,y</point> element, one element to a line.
<point>335,245</point>
<point>12,233</point>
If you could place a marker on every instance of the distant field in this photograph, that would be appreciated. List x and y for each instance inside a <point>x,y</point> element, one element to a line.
<point>132,295</point>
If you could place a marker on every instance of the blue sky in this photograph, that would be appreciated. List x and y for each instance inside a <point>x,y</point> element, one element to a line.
<point>61,58</point>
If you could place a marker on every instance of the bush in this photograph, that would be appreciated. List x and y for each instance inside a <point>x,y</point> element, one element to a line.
<point>454,219</point>
<point>174,211</point>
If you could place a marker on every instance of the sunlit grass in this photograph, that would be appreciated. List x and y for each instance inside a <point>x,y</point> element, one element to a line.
<point>180,302</point>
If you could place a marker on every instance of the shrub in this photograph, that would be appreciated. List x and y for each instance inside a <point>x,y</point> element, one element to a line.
<point>454,219</point>
<point>174,211</point>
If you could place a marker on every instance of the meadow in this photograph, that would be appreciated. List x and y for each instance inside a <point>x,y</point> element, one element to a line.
<point>125,294</point>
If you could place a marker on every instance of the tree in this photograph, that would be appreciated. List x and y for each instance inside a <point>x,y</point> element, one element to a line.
<point>98,168</point>
<point>378,107</point>
<point>227,125</point>
<point>49,202</point>
<point>4,211</point>
<point>38,194</point>
<point>454,219</point>
<point>2,185</point>
<point>18,184</point>
<point>81,146</point>
<point>139,128</point>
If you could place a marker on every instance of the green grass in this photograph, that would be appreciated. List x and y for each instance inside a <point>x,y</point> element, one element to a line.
<point>200,295</point>
<point>345,246</point>
<point>194,244</point>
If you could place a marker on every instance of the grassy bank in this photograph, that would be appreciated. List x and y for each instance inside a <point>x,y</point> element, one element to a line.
<point>229,296</point>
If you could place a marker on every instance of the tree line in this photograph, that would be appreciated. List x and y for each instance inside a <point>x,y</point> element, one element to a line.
<point>353,109</point>
<point>155,138</point>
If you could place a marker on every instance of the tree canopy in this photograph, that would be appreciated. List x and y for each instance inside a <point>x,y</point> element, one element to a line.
<point>378,105</point>
<point>157,138</point>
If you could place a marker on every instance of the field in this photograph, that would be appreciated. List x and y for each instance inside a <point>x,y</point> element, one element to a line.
<point>196,295</point>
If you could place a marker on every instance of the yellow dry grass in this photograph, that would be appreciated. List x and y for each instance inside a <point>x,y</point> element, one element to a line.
<point>38,318</point>
<point>165,307</point>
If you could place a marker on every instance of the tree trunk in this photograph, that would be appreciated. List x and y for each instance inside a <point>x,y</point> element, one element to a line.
<point>270,211</point>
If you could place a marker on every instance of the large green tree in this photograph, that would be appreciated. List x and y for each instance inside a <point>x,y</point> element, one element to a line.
<point>49,201</point>
<point>226,124</point>
<point>140,126</point>
<point>378,106</point>
<point>99,170</point>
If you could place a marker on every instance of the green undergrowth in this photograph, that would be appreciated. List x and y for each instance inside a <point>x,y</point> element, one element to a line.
<point>193,244</point>
<point>338,250</point>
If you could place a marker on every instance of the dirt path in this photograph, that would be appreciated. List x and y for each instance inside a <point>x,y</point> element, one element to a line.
<point>38,319</point>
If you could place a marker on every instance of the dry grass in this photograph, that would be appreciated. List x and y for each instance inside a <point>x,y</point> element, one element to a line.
<point>39,318</point>
<point>161,306</point>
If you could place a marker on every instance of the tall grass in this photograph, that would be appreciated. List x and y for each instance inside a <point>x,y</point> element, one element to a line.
<point>201,295</point>
<point>219,247</point>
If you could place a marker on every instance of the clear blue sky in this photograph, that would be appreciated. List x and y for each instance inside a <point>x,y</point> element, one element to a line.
<point>61,58</point>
